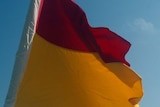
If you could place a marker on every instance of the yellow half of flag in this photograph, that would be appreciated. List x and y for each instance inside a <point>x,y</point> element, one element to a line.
<point>59,77</point>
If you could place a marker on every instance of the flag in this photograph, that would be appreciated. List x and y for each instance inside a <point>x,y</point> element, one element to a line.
<point>64,62</point>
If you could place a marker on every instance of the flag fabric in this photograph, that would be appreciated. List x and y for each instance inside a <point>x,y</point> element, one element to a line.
<point>64,62</point>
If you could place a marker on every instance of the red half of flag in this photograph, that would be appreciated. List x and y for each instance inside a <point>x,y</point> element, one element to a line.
<point>65,24</point>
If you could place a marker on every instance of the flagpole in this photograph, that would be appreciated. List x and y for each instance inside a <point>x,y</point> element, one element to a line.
<point>22,53</point>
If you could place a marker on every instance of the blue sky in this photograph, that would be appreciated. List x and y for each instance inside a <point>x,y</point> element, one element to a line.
<point>136,20</point>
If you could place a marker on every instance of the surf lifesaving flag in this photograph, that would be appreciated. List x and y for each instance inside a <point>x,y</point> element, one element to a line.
<point>64,62</point>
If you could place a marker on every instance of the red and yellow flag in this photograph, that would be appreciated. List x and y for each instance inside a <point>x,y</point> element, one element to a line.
<point>64,62</point>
